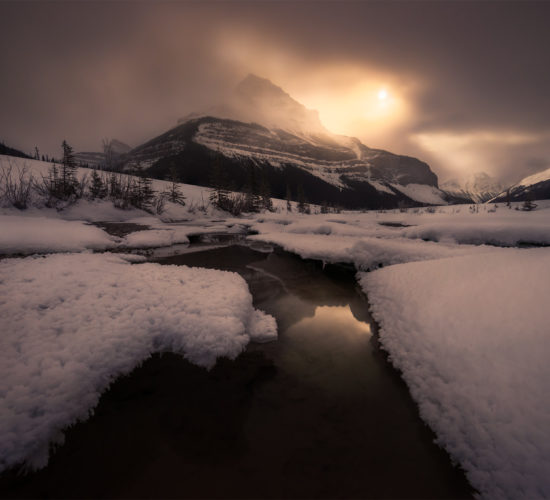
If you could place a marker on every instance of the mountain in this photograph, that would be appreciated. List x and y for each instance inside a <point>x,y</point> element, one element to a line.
<point>478,187</point>
<point>98,159</point>
<point>533,187</point>
<point>262,131</point>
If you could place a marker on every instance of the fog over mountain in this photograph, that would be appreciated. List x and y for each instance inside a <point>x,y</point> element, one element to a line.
<point>131,69</point>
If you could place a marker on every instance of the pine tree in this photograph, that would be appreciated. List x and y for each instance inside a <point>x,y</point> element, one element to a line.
<point>98,188</point>
<point>68,172</point>
<point>145,193</point>
<point>36,153</point>
<point>174,194</point>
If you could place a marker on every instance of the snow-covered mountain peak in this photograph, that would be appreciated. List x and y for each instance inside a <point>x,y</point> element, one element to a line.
<point>477,186</point>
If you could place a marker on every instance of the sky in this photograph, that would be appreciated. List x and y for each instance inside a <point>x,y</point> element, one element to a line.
<point>462,85</point>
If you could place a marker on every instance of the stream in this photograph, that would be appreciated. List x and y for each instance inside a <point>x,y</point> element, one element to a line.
<point>318,413</point>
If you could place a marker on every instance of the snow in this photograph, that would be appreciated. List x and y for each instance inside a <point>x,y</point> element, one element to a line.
<point>421,193</point>
<point>72,323</point>
<point>470,335</point>
<point>485,231</point>
<point>535,178</point>
<point>380,187</point>
<point>155,238</point>
<point>26,235</point>
<point>464,320</point>
<point>364,253</point>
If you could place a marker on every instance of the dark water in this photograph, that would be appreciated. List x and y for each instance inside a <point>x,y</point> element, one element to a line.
<point>319,413</point>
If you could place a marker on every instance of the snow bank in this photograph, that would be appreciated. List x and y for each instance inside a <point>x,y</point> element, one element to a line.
<point>41,234</point>
<point>72,323</point>
<point>155,238</point>
<point>484,232</point>
<point>471,336</point>
<point>365,253</point>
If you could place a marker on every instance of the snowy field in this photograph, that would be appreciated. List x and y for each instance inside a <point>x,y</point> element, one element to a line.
<point>462,311</point>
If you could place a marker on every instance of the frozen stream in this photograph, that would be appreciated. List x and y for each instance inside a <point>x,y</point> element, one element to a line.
<point>318,413</point>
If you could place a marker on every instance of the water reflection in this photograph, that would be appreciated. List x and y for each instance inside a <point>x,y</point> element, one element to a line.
<point>329,350</point>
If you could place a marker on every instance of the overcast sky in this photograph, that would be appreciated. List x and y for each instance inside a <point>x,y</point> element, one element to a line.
<point>467,84</point>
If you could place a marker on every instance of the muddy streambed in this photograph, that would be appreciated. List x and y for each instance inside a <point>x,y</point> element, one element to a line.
<point>318,413</point>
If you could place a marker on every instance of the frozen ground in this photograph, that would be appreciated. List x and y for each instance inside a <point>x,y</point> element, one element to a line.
<point>462,312</point>
<point>71,323</point>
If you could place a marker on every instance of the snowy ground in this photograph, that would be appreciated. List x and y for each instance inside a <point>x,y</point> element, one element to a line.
<point>463,311</point>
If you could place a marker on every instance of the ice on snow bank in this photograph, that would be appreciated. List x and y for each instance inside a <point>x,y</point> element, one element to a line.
<point>42,234</point>
<point>72,323</point>
<point>472,338</point>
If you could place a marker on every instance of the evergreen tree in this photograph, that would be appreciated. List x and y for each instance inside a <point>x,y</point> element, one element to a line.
<point>36,153</point>
<point>144,193</point>
<point>174,194</point>
<point>98,189</point>
<point>68,172</point>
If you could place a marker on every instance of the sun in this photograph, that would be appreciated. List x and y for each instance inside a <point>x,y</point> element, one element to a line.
<point>382,95</point>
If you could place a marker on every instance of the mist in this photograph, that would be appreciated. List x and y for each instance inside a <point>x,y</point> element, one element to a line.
<point>466,81</point>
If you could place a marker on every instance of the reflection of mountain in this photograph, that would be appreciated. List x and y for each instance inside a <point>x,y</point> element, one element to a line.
<point>306,287</point>
<point>478,188</point>
<point>533,187</point>
<point>263,129</point>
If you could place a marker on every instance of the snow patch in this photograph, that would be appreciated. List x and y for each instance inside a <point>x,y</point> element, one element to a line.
<point>72,323</point>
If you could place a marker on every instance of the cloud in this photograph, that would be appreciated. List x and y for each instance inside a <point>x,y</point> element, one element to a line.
<point>456,72</point>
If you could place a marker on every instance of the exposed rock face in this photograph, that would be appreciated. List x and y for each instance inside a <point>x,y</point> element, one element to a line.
<point>264,128</point>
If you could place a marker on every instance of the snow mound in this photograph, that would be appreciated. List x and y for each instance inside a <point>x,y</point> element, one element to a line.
<point>73,323</point>
<point>471,336</point>
<point>484,232</point>
<point>43,234</point>
<point>365,253</point>
<point>155,238</point>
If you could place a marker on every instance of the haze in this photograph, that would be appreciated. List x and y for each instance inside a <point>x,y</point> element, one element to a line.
<point>461,85</point>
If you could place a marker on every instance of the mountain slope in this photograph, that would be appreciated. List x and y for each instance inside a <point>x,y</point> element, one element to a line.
<point>533,187</point>
<point>265,130</point>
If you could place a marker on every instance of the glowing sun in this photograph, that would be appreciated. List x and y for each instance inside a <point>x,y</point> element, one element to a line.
<point>382,95</point>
